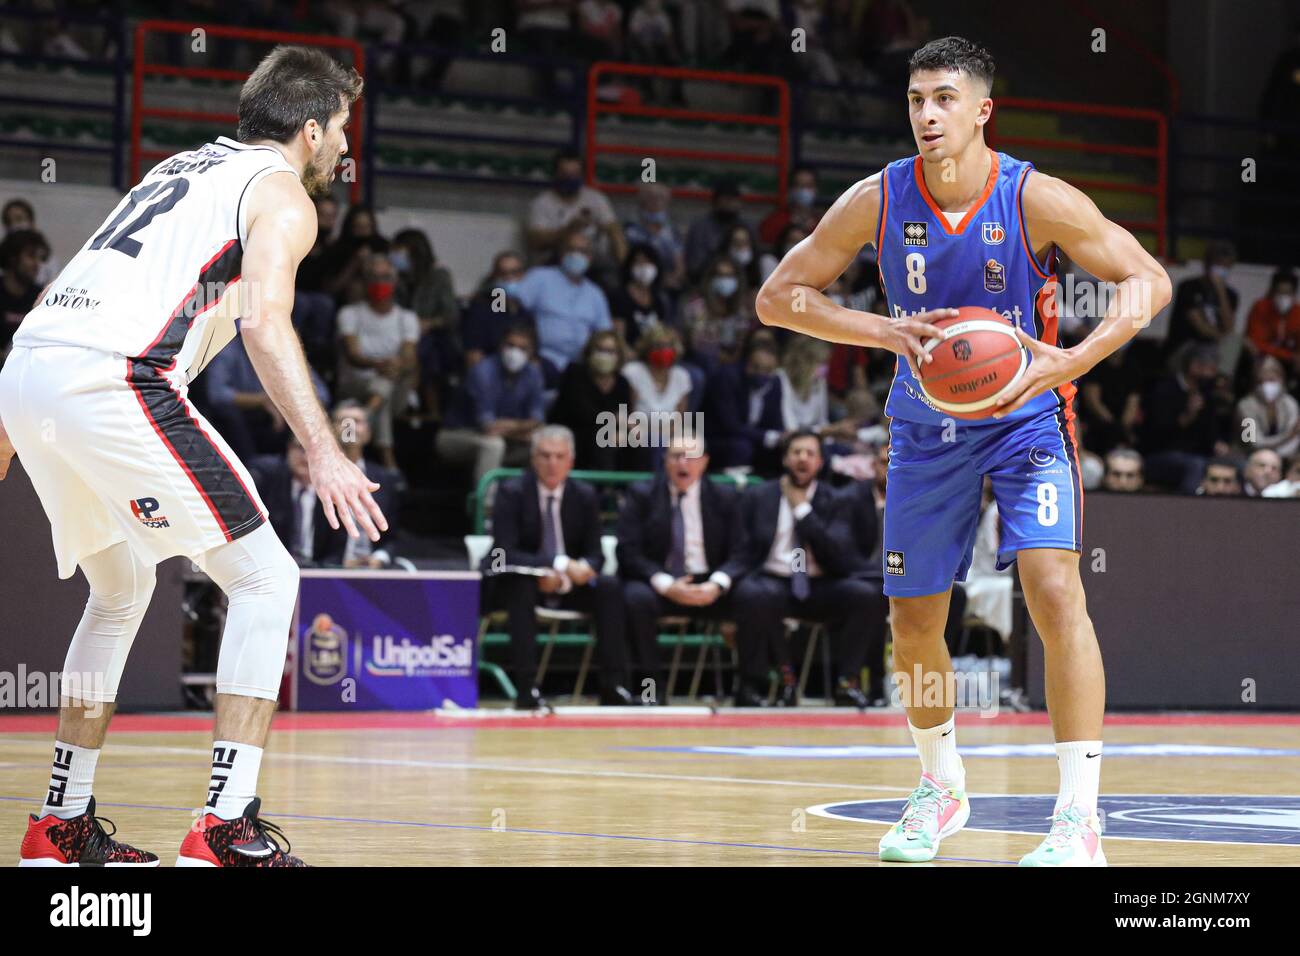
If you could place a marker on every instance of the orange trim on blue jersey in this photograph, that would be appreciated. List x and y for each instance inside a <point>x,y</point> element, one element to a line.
<point>971,212</point>
<point>884,211</point>
<point>1024,232</point>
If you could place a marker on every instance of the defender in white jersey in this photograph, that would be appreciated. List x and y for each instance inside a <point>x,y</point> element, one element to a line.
<point>93,399</point>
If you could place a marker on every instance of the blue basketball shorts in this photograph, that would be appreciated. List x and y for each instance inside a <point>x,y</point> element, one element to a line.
<point>934,483</point>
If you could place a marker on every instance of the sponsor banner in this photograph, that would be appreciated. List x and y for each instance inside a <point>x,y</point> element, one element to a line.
<point>386,640</point>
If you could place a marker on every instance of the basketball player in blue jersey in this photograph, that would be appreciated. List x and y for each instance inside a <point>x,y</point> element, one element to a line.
<point>961,225</point>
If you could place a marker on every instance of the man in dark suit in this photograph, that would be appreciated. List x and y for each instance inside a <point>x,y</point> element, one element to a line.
<point>742,409</point>
<point>794,558</point>
<point>674,534</point>
<point>296,514</point>
<point>546,549</point>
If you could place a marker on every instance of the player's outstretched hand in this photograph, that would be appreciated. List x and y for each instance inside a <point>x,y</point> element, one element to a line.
<point>1049,368</point>
<point>7,452</point>
<point>344,493</point>
<point>906,336</point>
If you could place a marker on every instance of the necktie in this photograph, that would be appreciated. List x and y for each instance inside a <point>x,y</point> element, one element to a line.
<point>800,586</point>
<point>550,538</point>
<point>677,553</point>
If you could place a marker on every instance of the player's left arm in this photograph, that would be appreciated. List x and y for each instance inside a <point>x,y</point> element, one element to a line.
<point>1056,212</point>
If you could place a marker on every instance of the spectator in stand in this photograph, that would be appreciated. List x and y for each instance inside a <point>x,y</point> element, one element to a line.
<point>549,523</point>
<point>19,216</point>
<point>239,407</point>
<point>651,37</point>
<point>799,209</point>
<point>1222,478</point>
<point>494,308</point>
<point>716,317</point>
<point>742,411</point>
<point>567,207</point>
<point>1123,471</point>
<point>758,44</point>
<point>654,227</point>
<point>675,533</point>
<point>1183,422</point>
<point>568,305</point>
<point>345,260</point>
<point>1205,307</point>
<point>1110,402</point>
<point>640,304</point>
<point>1289,487</point>
<point>1269,417</point>
<point>708,233</point>
<point>498,409</point>
<point>21,256</point>
<point>793,558</point>
<point>739,248</point>
<point>314,309</point>
<point>352,428</point>
<point>661,388</point>
<point>425,288</point>
<point>1263,470</point>
<point>545,25</point>
<point>592,392</point>
<point>600,23</point>
<point>1273,327</point>
<point>802,375</point>
<point>377,363</point>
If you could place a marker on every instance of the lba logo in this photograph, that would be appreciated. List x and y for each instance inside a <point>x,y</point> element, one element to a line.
<point>144,508</point>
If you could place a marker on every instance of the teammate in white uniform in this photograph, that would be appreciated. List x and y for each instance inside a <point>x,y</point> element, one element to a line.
<point>93,399</point>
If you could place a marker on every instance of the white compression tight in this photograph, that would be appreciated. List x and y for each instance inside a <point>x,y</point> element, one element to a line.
<point>120,589</point>
<point>261,582</point>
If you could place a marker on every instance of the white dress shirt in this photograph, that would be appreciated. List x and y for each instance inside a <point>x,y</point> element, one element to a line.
<point>562,560</point>
<point>780,559</point>
<point>697,561</point>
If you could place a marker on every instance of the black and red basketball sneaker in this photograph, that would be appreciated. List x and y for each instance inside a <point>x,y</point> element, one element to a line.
<point>79,841</point>
<point>244,841</point>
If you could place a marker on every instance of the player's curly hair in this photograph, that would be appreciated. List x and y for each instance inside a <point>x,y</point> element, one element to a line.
<point>955,53</point>
<point>291,85</point>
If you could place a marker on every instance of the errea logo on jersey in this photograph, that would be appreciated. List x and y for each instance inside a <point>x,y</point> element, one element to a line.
<point>915,234</point>
<point>144,508</point>
<point>894,563</point>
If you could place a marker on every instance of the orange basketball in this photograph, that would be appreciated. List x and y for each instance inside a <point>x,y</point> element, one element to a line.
<point>978,357</point>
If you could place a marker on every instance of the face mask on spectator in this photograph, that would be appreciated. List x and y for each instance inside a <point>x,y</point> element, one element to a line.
<point>575,263</point>
<point>741,255</point>
<point>400,259</point>
<point>1270,391</point>
<point>1283,303</point>
<point>659,218</point>
<point>513,358</point>
<point>379,292</point>
<point>603,361</point>
<point>724,286</point>
<point>567,185</point>
<point>1219,272</point>
<point>645,272</point>
<point>803,196</point>
<point>662,357</point>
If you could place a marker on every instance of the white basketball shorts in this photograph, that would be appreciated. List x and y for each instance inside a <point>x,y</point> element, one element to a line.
<point>117,453</point>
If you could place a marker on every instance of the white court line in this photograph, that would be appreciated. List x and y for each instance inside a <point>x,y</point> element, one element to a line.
<point>488,767</point>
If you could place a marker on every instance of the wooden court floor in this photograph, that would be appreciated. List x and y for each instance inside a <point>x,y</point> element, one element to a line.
<point>419,789</point>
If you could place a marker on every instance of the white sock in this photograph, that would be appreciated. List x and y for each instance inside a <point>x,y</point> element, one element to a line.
<point>1080,765</point>
<point>938,749</point>
<point>71,780</point>
<point>234,778</point>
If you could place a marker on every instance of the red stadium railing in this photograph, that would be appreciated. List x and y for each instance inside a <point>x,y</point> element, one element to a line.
<point>780,122</point>
<point>141,69</point>
<point>1159,153</point>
